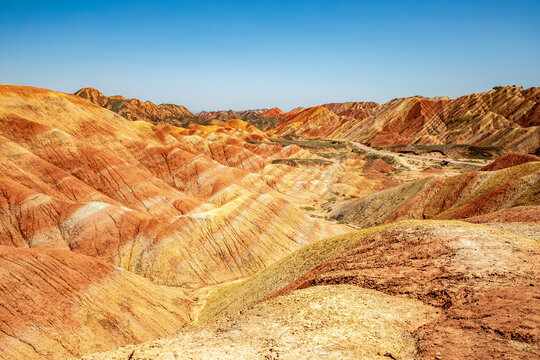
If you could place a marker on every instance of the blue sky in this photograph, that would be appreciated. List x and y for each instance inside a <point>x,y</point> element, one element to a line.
<point>210,55</point>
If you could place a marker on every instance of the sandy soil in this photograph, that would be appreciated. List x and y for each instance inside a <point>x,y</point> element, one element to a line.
<point>531,230</point>
<point>324,322</point>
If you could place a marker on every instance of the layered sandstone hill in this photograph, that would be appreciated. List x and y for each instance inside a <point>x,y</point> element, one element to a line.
<point>57,304</point>
<point>509,160</point>
<point>357,110</point>
<point>135,109</point>
<point>149,205</point>
<point>505,116</point>
<point>275,112</point>
<point>439,197</point>
<point>314,122</point>
<point>263,119</point>
<point>408,290</point>
<point>164,201</point>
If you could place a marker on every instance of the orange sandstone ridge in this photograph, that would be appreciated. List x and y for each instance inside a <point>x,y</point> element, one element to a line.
<point>135,109</point>
<point>505,116</point>
<point>274,113</point>
<point>509,160</point>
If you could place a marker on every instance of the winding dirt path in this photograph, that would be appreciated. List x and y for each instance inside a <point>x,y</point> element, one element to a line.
<point>451,161</point>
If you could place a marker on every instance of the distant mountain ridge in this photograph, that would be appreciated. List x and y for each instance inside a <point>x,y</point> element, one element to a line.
<point>263,119</point>
<point>135,109</point>
<point>507,116</point>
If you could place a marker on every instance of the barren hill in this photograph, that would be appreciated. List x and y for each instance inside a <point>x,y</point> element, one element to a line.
<point>263,119</point>
<point>504,116</point>
<point>135,109</point>
<point>455,197</point>
<point>409,290</point>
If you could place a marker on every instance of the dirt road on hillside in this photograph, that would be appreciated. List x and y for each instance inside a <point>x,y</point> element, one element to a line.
<point>367,148</point>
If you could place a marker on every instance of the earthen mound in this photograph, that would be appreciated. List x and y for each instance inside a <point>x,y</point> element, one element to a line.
<point>517,214</point>
<point>482,282</point>
<point>509,160</point>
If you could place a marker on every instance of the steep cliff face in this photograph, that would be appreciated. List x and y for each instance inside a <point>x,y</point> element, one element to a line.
<point>135,109</point>
<point>505,116</point>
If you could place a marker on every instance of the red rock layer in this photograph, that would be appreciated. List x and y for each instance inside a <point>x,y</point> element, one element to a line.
<point>454,197</point>
<point>509,160</point>
<point>356,110</point>
<point>313,122</point>
<point>135,109</point>
<point>58,304</point>
<point>276,113</point>
<point>484,283</point>
<point>517,214</point>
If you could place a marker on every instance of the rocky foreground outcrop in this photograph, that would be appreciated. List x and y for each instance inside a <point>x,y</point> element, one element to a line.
<point>505,116</point>
<point>408,290</point>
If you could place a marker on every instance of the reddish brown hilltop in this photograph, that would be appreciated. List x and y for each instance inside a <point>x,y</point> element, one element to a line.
<point>135,109</point>
<point>293,112</point>
<point>316,121</point>
<point>220,115</point>
<point>275,112</point>
<point>357,110</point>
<point>505,116</point>
<point>509,160</point>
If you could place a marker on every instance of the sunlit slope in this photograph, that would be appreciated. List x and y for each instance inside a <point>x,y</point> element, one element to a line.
<point>504,116</point>
<point>58,304</point>
<point>323,322</point>
<point>135,109</point>
<point>454,197</point>
<point>177,207</point>
<point>482,281</point>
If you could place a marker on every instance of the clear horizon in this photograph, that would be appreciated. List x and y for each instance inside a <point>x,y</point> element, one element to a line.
<point>241,55</point>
